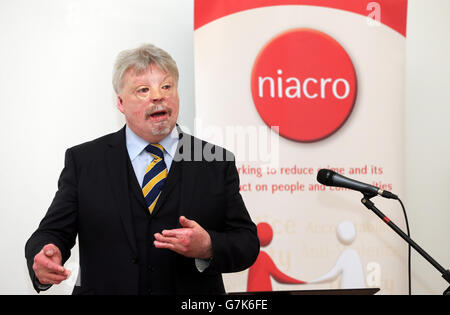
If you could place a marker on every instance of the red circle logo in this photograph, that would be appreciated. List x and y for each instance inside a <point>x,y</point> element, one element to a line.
<point>304,82</point>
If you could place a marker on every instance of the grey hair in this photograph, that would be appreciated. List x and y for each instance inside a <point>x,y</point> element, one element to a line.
<point>139,59</point>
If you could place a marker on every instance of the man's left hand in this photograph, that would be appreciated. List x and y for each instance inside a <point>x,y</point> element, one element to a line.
<point>191,240</point>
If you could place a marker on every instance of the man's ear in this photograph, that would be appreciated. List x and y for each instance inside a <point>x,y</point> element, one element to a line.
<point>120,104</point>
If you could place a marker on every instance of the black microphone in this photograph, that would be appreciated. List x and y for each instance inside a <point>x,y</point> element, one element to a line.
<point>331,178</point>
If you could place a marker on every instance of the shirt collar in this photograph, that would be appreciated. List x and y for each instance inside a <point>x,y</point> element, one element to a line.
<point>170,143</point>
<point>135,144</point>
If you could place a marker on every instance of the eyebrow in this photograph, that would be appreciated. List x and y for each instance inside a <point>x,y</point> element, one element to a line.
<point>139,82</point>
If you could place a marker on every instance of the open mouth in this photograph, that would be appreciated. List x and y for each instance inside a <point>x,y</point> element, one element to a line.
<point>158,115</point>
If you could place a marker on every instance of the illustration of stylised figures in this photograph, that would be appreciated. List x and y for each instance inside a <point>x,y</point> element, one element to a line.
<point>264,267</point>
<point>348,265</point>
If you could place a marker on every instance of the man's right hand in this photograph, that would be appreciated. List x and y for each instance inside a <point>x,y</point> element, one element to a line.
<point>48,266</point>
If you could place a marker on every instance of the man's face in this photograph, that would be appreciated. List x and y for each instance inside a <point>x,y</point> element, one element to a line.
<point>149,102</point>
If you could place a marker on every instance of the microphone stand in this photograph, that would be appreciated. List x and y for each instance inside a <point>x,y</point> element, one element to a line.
<point>371,206</point>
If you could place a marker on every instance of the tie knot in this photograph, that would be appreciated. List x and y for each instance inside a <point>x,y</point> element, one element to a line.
<point>155,149</point>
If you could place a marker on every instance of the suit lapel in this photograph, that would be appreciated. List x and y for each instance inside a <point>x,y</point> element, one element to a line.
<point>187,188</point>
<point>136,186</point>
<point>172,180</point>
<point>189,176</point>
<point>117,164</point>
<point>174,176</point>
<point>182,172</point>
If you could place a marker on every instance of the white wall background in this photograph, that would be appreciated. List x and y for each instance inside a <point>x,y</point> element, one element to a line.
<point>56,60</point>
<point>427,165</point>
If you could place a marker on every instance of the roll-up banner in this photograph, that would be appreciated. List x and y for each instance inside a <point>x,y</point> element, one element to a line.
<point>294,86</point>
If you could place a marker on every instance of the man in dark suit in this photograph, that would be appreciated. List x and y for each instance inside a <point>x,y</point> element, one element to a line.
<point>156,210</point>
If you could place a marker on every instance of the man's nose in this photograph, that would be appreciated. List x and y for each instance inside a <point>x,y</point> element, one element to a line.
<point>156,95</point>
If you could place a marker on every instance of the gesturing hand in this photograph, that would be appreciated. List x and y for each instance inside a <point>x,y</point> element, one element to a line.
<point>47,266</point>
<point>191,240</point>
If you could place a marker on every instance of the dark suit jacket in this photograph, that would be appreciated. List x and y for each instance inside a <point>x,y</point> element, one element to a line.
<point>93,202</point>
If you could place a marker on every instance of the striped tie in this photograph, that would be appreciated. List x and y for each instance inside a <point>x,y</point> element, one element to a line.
<point>155,176</point>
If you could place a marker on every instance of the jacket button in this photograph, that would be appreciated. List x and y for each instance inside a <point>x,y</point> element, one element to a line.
<point>134,260</point>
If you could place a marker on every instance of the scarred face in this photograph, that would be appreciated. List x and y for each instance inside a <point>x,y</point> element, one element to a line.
<point>150,102</point>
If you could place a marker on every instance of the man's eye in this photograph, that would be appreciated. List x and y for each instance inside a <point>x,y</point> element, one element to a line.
<point>143,90</point>
<point>166,87</point>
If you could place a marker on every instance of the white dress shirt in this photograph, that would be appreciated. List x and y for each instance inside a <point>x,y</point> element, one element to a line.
<point>140,158</point>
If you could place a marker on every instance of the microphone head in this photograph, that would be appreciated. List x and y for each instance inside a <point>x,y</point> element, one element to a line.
<point>325,177</point>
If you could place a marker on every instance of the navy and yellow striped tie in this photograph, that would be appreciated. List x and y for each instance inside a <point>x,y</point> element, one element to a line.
<point>155,176</point>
